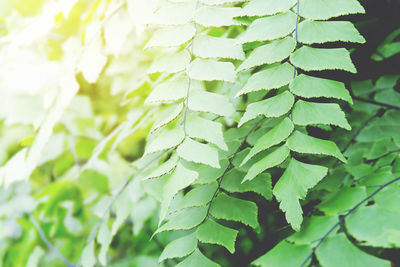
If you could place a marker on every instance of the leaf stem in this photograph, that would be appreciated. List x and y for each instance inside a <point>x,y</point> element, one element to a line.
<point>52,248</point>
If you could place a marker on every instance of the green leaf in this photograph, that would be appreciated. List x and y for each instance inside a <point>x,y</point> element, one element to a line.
<point>273,77</point>
<point>276,135</point>
<point>271,108</point>
<point>164,168</point>
<point>309,113</point>
<point>180,178</point>
<point>271,160</point>
<point>215,233</point>
<point>184,220</point>
<point>165,139</point>
<point>313,229</point>
<point>197,152</point>
<point>310,87</point>
<point>337,250</point>
<point>168,115</point>
<point>234,209</point>
<point>197,259</point>
<point>261,185</point>
<point>207,130</point>
<point>179,248</point>
<point>174,14</point>
<point>293,186</point>
<point>311,32</point>
<point>211,70</point>
<point>303,143</point>
<point>198,196</point>
<point>375,226</point>
<point>104,238</point>
<point>210,102</point>
<point>269,53</point>
<point>219,2</point>
<point>324,10</point>
<point>171,63</point>
<point>328,59</point>
<point>339,202</point>
<point>284,255</point>
<point>269,28</point>
<point>88,259</point>
<point>261,8</point>
<point>172,36</point>
<point>170,90</point>
<point>207,46</point>
<point>209,16</point>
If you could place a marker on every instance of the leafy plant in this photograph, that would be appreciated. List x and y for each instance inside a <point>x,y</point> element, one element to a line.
<point>204,133</point>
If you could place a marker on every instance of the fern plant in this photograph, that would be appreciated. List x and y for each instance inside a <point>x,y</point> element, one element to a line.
<point>235,106</point>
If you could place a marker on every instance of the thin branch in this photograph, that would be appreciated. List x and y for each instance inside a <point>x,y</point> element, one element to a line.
<point>340,222</point>
<point>376,103</point>
<point>52,248</point>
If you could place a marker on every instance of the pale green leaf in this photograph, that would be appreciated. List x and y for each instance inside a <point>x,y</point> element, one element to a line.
<point>198,196</point>
<point>164,168</point>
<point>269,28</point>
<point>174,14</point>
<point>219,2</point>
<point>310,87</point>
<point>180,178</point>
<point>337,250</point>
<point>311,32</point>
<point>209,16</point>
<point>172,36</point>
<point>184,220</point>
<point>214,233</point>
<point>303,143</point>
<point>104,238</point>
<point>272,107</point>
<point>273,159</point>
<point>35,256</point>
<point>309,113</point>
<point>269,53</point>
<point>170,90</point>
<point>273,77</point>
<point>261,8</point>
<point>207,130</point>
<point>179,248</point>
<point>210,102</point>
<point>273,137</point>
<point>328,59</point>
<point>284,255</point>
<point>193,151</point>
<point>88,259</point>
<point>232,182</point>
<point>165,139</point>
<point>206,46</point>
<point>173,63</point>
<point>297,179</point>
<point>197,259</point>
<point>211,70</point>
<point>234,209</point>
<point>167,116</point>
<point>326,9</point>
